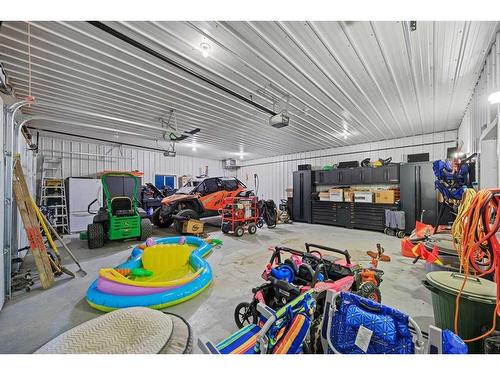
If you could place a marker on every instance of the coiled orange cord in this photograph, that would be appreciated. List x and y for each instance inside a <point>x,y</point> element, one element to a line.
<point>479,243</point>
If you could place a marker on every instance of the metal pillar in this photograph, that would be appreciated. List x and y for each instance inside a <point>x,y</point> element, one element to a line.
<point>10,216</point>
<point>3,256</point>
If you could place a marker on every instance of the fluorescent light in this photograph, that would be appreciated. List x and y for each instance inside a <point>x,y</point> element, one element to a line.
<point>205,48</point>
<point>494,97</point>
<point>241,156</point>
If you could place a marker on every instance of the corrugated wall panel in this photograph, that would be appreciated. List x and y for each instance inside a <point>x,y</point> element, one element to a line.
<point>480,112</point>
<point>275,173</point>
<point>81,159</point>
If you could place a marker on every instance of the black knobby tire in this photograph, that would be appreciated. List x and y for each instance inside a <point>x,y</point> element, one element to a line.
<point>245,314</point>
<point>188,213</point>
<point>370,291</point>
<point>95,234</point>
<point>155,218</point>
<point>146,229</point>
<point>252,228</point>
<point>238,231</point>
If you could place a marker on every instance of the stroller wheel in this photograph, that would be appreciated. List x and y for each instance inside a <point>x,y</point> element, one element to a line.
<point>245,314</point>
<point>400,234</point>
<point>385,230</point>
<point>260,224</point>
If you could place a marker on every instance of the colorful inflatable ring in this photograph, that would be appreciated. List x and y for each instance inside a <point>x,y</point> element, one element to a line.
<point>112,290</point>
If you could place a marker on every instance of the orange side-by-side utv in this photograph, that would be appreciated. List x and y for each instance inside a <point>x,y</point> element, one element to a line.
<point>193,202</point>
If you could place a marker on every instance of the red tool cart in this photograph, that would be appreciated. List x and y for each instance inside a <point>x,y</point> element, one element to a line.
<point>239,214</point>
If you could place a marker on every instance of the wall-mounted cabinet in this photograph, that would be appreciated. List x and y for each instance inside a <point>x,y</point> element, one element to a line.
<point>388,174</point>
<point>361,176</point>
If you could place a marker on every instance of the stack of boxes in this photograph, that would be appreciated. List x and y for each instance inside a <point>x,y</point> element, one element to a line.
<point>389,196</point>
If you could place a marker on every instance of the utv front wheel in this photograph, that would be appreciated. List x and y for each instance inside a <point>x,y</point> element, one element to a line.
<point>146,229</point>
<point>188,214</point>
<point>95,235</point>
<point>156,219</point>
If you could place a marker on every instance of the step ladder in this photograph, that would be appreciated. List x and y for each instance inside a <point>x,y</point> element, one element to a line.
<point>53,194</point>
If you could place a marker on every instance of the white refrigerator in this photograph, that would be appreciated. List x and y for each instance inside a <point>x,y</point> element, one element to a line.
<point>81,192</point>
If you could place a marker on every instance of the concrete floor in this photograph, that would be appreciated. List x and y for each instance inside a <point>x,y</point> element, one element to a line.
<point>31,319</point>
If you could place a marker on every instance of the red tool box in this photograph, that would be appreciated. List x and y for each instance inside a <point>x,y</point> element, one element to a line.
<point>239,214</point>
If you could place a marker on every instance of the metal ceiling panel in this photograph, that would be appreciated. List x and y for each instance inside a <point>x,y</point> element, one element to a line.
<point>346,82</point>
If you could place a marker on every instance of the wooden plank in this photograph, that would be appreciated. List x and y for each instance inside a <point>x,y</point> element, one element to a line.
<point>31,225</point>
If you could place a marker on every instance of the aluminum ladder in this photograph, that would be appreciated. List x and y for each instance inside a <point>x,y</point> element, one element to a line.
<point>53,194</point>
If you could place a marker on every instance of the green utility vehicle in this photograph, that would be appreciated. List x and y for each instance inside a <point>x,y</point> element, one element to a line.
<point>120,217</point>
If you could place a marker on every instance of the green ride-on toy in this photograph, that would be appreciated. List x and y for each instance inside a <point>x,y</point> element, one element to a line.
<point>120,217</point>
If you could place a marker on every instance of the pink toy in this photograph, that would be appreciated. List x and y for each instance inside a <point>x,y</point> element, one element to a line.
<point>296,259</point>
<point>150,242</point>
<point>182,240</point>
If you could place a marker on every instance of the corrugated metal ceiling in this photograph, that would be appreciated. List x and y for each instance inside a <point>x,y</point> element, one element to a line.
<point>348,82</point>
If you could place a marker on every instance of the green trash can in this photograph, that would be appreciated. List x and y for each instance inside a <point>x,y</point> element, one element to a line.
<point>477,304</point>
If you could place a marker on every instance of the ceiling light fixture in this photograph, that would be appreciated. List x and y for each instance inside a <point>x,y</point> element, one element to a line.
<point>494,97</point>
<point>193,148</point>
<point>241,156</point>
<point>205,48</point>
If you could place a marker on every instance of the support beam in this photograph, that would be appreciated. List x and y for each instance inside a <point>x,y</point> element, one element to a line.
<point>185,69</point>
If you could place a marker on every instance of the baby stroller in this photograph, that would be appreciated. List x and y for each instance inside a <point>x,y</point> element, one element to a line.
<point>395,223</point>
<point>277,332</point>
<point>356,325</point>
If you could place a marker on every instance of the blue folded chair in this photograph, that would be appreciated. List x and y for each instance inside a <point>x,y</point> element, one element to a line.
<point>277,332</point>
<point>356,325</point>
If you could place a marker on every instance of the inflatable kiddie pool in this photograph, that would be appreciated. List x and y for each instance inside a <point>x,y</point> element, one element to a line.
<point>169,271</point>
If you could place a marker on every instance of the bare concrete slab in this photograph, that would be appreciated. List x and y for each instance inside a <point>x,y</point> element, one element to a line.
<point>31,319</point>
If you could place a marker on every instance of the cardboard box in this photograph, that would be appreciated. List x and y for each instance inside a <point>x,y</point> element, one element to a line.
<point>385,196</point>
<point>363,196</point>
<point>324,196</point>
<point>348,195</point>
<point>336,195</point>
<point>193,226</point>
<point>289,192</point>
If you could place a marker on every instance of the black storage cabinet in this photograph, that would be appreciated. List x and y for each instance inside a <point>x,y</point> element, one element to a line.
<point>302,192</point>
<point>332,213</point>
<point>418,193</point>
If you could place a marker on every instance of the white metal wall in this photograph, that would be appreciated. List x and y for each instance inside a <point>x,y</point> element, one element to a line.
<point>275,174</point>
<point>2,265</point>
<point>78,163</point>
<point>480,113</point>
